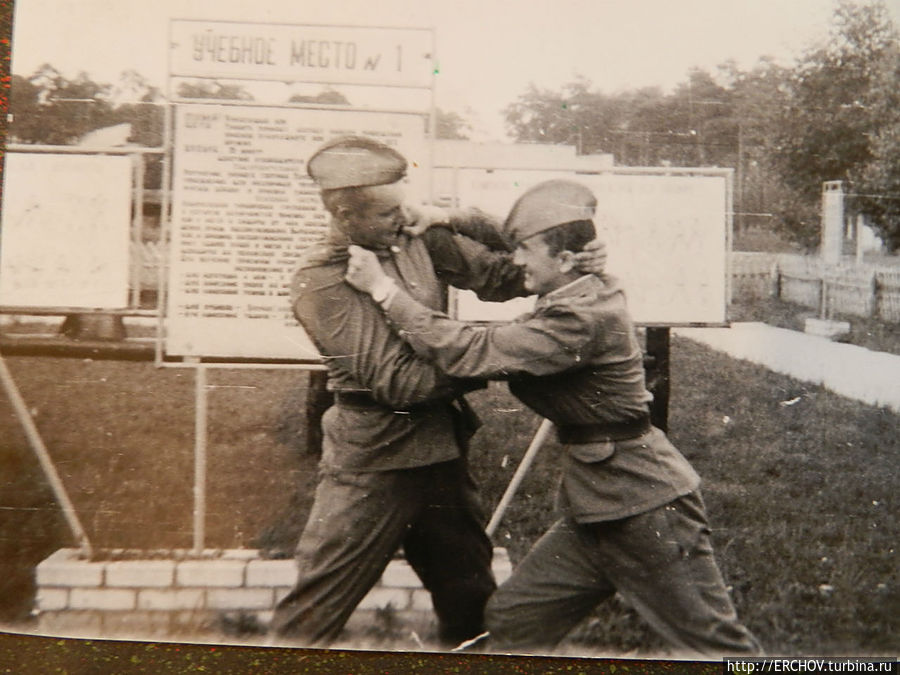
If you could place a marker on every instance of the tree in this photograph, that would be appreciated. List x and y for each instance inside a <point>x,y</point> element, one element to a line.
<point>24,107</point>
<point>451,125</point>
<point>876,184</point>
<point>831,115</point>
<point>213,89</point>
<point>326,97</point>
<point>133,87</point>
<point>48,108</point>
<point>693,126</point>
<point>538,115</point>
<point>643,134</point>
<point>703,108</point>
<point>758,97</point>
<point>576,115</point>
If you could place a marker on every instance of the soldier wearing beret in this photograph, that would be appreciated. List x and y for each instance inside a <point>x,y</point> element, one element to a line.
<point>633,520</point>
<point>393,468</point>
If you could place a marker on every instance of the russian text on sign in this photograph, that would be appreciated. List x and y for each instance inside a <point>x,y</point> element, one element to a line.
<point>291,53</point>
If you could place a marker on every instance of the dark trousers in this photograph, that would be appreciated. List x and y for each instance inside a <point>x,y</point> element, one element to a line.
<point>661,562</point>
<point>357,523</point>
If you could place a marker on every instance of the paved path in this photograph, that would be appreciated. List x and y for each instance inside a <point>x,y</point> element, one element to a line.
<point>848,370</point>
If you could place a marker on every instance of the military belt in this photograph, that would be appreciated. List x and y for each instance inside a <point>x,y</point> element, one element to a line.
<point>601,433</point>
<point>356,398</point>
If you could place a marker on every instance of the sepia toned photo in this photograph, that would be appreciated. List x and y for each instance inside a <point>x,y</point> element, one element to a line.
<point>451,330</point>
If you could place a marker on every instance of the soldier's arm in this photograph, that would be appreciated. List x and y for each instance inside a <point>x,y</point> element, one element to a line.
<point>548,342</point>
<point>468,264</point>
<point>552,339</point>
<point>351,333</point>
<point>469,252</point>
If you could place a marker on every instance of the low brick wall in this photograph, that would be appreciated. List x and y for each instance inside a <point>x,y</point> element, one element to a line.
<point>185,595</point>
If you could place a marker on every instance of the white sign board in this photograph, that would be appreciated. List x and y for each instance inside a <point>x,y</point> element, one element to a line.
<point>64,234</point>
<point>399,57</point>
<point>244,210</point>
<point>666,235</point>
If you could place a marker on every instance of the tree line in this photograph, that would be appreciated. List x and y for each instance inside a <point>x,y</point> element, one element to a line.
<point>833,115</point>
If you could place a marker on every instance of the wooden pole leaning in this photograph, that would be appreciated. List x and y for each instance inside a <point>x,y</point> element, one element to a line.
<point>37,444</point>
<point>527,460</point>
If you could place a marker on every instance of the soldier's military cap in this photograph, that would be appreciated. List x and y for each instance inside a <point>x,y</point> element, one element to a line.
<point>355,161</point>
<point>546,205</point>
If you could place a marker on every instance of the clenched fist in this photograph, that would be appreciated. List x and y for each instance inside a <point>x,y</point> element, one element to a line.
<point>364,271</point>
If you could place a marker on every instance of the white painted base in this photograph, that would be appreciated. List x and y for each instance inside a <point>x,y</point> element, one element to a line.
<point>176,594</point>
<point>832,330</point>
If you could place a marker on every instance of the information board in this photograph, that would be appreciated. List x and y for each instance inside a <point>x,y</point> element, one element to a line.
<point>398,57</point>
<point>244,210</point>
<point>64,237</point>
<point>667,236</point>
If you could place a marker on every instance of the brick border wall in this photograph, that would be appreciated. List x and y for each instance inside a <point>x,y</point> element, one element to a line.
<point>184,595</point>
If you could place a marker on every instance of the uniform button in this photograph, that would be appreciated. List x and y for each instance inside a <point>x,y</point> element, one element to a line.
<point>395,249</point>
<point>413,284</point>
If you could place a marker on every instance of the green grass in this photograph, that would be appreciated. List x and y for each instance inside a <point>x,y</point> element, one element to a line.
<point>801,498</point>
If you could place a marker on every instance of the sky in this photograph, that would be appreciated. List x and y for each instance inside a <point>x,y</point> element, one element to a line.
<point>489,51</point>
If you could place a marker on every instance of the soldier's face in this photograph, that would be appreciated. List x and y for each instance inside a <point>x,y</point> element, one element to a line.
<point>379,219</point>
<point>543,271</point>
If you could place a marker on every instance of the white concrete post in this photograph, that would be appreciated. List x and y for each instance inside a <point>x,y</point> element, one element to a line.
<point>832,221</point>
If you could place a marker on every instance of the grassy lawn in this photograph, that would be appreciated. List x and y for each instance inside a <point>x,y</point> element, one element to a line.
<point>802,497</point>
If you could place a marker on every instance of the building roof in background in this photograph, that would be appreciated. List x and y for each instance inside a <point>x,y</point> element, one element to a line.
<point>464,153</point>
<point>109,137</point>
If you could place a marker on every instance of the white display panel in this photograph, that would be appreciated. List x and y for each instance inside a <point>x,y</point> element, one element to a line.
<point>244,210</point>
<point>64,236</point>
<point>666,235</point>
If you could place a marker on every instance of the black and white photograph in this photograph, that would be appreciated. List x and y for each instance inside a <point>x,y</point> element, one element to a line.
<point>566,333</point>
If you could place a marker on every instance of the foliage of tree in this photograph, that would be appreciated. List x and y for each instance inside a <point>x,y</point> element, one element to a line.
<point>576,115</point>
<point>832,112</point>
<point>785,130</point>
<point>213,89</point>
<point>757,98</point>
<point>48,108</point>
<point>327,97</point>
<point>451,125</point>
<point>876,184</point>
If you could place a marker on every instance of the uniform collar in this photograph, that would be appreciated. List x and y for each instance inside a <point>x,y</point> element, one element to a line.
<point>332,249</point>
<point>573,286</point>
<point>601,286</point>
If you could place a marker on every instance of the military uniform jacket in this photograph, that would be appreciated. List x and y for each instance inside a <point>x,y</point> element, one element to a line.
<point>409,420</point>
<point>575,360</point>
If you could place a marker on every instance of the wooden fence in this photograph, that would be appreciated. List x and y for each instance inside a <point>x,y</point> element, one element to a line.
<point>864,290</point>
